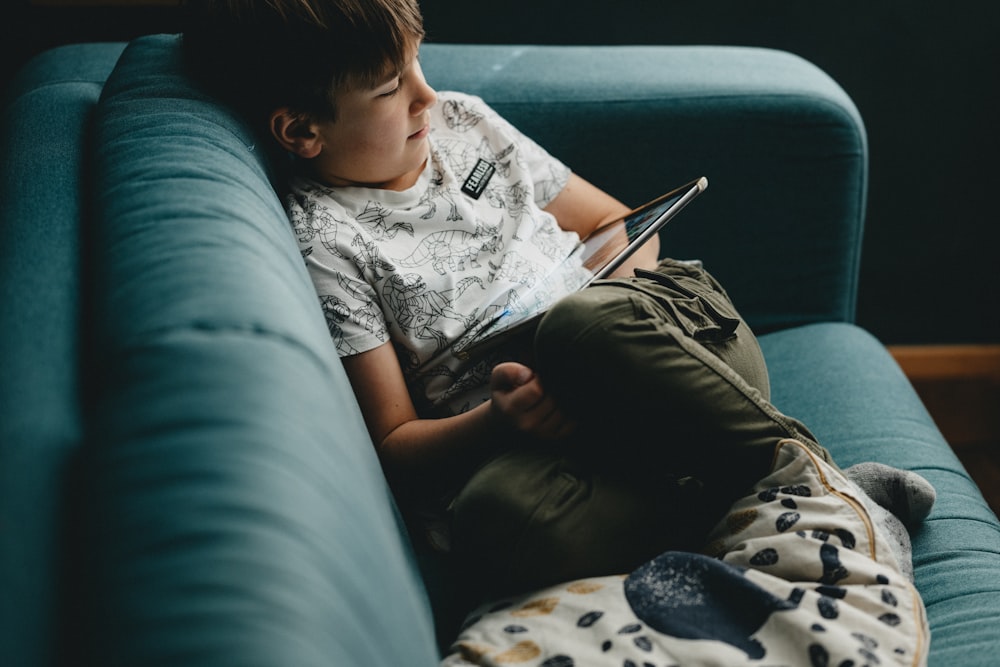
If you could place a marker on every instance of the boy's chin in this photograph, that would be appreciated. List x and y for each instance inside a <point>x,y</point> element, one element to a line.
<point>407,180</point>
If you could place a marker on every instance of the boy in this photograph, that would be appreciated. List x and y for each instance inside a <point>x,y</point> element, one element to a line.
<point>421,215</point>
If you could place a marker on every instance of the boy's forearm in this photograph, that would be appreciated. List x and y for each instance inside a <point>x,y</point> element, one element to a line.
<point>430,455</point>
<point>582,207</point>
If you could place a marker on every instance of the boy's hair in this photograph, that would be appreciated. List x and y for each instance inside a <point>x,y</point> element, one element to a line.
<point>261,55</point>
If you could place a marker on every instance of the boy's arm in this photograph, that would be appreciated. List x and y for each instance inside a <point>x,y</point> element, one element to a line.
<point>436,453</point>
<point>582,207</point>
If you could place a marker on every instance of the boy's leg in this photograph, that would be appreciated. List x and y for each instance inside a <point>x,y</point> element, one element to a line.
<point>664,373</point>
<point>531,518</point>
<point>670,355</point>
<point>671,389</point>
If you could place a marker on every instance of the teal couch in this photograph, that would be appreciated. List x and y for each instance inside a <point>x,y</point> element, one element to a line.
<point>168,495</point>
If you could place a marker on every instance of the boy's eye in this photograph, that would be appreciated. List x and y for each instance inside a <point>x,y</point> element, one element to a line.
<point>394,90</point>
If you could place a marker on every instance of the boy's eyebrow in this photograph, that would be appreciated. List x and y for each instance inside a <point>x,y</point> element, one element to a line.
<point>395,73</point>
<point>392,75</point>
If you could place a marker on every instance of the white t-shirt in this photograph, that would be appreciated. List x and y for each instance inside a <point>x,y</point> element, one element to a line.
<point>428,267</point>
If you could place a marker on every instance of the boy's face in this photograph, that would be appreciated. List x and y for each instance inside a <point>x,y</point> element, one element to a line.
<point>379,138</point>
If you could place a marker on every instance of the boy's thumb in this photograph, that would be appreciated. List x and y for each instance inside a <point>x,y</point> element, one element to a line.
<point>510,374</point>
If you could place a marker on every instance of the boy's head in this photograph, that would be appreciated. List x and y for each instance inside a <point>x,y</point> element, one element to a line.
<point>261,55</point>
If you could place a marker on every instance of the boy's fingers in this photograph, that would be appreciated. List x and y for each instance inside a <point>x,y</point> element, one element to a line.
<point>510,375</point>
<point>526,403</point>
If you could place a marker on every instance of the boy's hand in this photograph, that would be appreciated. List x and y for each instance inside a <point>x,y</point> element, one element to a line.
<point>520,402</point>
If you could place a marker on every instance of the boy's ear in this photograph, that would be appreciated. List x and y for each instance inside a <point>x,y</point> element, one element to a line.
<point>295,133</point>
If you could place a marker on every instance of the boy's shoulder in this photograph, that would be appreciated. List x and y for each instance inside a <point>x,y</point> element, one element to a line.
<point>452,104</point>
<point>458,97</point>
<point>461,112</point>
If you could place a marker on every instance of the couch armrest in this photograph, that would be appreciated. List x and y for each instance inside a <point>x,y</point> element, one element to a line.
<point>236,513</point>
<point>782,145</point>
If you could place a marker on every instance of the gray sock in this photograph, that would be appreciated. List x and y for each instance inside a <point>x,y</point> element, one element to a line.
<point>904,493</point>
<point>894,499</point>
<point>895,531</point>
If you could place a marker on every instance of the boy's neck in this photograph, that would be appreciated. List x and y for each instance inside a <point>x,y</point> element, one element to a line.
<point>398,184</point>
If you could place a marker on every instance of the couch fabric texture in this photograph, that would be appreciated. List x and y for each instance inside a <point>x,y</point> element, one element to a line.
<point>168,494</point>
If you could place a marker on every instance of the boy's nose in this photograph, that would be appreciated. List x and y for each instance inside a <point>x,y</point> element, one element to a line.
<point>425,100</point>
<point>425,96</point>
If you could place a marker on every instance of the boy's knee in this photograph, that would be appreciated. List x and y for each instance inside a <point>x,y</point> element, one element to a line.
<point>620,338</point>
<point>583,317</point>
<point>585,345</point>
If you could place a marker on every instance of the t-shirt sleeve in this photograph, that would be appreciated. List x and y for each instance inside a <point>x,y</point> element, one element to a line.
<point>350,304</point>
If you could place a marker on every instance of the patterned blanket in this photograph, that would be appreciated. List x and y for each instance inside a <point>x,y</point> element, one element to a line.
<point>796,574</point>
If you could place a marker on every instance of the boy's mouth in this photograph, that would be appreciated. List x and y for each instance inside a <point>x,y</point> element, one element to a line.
<point>421,133</point>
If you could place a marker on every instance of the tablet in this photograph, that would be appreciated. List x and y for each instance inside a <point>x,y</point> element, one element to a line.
<point>604,250</point>
<point>608,246</point>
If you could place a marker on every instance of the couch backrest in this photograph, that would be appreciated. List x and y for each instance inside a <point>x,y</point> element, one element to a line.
<point>782,145</point>
<point>46,115</point>
<point>236,511</point>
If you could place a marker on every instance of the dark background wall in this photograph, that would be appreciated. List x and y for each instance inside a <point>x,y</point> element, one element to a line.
<point>924,75</point>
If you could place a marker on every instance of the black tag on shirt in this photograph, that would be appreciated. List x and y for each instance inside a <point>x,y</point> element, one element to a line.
<point>476,182</point>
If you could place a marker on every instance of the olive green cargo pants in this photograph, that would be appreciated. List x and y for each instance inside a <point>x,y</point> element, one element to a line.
<point>671,394</point>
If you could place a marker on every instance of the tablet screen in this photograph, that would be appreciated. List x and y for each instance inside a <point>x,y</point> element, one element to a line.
<point>607,244</point>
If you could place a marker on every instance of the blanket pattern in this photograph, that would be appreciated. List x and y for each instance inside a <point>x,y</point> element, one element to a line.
<point>795,574</point>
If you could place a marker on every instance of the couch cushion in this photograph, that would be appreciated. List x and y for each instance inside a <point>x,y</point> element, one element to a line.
<point>846,387</point>
<point>238,512</point>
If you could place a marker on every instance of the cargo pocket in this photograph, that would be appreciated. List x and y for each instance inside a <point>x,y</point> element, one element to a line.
<point>694,313</point>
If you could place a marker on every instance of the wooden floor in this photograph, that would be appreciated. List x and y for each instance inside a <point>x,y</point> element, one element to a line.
<point>960,385</point>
